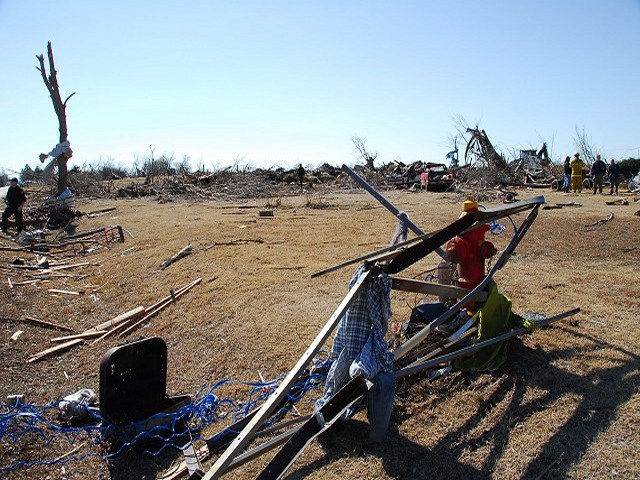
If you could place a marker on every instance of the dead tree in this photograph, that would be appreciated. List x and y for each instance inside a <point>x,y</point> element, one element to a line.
<point>51,82</point>
<point>368,157</point>
<point>584,145</point>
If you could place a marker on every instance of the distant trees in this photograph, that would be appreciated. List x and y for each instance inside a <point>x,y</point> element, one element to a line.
<point>584,145</point>
<point>4,178</point>
<point>28,173</point>
<point>630,167</point>
<point>105,169</point>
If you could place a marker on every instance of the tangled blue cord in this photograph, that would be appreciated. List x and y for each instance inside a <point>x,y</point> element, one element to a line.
<point>19,423</point>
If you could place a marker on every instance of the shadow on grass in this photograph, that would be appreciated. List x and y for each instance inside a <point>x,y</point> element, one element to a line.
<point>401,458</point>
<point>138,464</point>
<point>601,392</point>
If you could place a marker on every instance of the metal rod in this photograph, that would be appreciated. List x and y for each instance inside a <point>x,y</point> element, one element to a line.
<point>414,341</point>
<point>388,205</point>
<point>478,346</point>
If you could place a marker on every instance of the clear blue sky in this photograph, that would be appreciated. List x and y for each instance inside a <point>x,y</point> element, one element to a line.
<point>287,82</point>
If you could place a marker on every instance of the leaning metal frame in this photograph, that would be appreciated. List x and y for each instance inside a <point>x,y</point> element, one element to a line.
<point>400,259</point>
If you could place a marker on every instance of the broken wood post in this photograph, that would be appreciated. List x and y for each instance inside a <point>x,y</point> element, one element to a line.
<point>181,254</point>
<point>119,320</point>
<point>83,335</point>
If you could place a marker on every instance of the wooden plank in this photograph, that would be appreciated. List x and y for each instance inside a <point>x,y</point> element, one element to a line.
<point>418,286</point>
<point>247,433</point>
<point>133,313</point>
<point>112,326</point>
<point>63,292</point>
<point>58,348</point>
<point>161,307</point>
<point>83,335</point>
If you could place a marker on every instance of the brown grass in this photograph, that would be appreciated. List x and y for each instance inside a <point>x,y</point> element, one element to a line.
<point>565,406</point>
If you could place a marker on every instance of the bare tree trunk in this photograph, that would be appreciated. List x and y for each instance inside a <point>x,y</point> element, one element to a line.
<point>51,82</point>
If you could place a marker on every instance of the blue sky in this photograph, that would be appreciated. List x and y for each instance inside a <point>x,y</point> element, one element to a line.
<point>286,82</point>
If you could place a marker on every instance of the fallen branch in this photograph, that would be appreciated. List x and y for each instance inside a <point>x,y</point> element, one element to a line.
<point>181,254</point>
<point>601,222</point>
<point>40,323</point>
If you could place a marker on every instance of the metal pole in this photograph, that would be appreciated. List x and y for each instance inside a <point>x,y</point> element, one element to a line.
<point>478,346</point>
<point>388,205</point>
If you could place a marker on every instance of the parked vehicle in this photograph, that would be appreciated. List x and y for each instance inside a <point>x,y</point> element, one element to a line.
<point>436,177</point>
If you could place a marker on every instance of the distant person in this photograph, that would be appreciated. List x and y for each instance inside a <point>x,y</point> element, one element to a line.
<point>613,172</point>
<point>424,180</point>
<point>300,175</point>
<point>598,170</point>
<point>15,200</point>
<point>567,175</point>
<point>576,173</point>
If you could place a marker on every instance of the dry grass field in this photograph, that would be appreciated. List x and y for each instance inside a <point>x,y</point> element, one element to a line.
<point>566,404</point>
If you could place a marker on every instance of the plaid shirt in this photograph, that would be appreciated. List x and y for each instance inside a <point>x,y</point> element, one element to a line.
<point>359,347</point>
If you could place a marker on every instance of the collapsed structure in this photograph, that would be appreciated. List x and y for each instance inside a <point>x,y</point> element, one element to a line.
<point>367,376</point>
<point>364,371</point>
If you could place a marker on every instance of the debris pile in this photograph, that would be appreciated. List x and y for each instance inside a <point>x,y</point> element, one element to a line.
<point>484,168</point>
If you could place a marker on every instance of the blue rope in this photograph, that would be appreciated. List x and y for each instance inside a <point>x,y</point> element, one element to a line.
<point>19,423</point>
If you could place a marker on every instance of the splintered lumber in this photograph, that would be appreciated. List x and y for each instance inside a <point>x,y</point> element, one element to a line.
<point>58,348</point>
<point>418,286</point>
<point>181,254</point>
<point>110,327</point>
<point>64,292</point>
<point>248,432</point>
<point>78,339</point>
<point>83,335</point>
<point>131,314</point>
<point>172,298</point>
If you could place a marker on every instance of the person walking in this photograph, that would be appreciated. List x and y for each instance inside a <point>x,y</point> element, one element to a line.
<point>598,170</point>
<point>576,173</point>
<point>15,200</point>
<point>613,172</point>
<point>300,175</point>
<point>567,175</point>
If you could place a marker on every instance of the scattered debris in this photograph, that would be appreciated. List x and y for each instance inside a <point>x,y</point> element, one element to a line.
<point>619,201</point>
<point>181,254</point>
<point>602,221</point>
<point>16,335</point>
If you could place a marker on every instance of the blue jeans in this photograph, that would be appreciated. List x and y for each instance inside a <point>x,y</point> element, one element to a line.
<point>567,182</point>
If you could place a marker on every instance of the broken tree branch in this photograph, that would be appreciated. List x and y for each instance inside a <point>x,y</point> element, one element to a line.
<point>181,254</point>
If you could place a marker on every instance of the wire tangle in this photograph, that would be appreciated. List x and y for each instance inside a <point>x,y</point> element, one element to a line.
<point>28,424</point>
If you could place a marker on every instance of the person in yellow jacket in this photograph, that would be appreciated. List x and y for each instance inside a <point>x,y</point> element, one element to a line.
<point>576,173</point>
